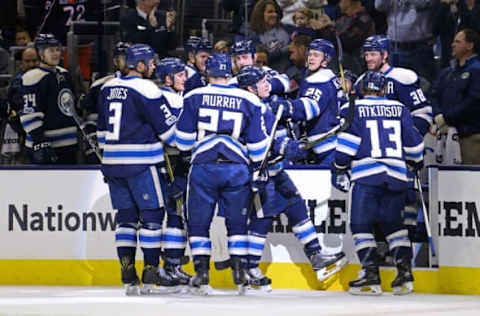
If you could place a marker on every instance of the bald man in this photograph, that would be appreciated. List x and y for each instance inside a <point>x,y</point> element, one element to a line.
<point>29,61</point>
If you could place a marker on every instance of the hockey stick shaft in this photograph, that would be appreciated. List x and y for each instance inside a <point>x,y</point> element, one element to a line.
<point>79,123</point>
<point>425,215</point>
<point>179,201</point>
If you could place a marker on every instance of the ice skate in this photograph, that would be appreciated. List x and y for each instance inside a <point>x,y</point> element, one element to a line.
<point>403,283</point>
<point>176,272</point>
<point>368,283</point>
<point>258,280</point>
<point>238,274</point>
<point>199,283</point>
<point>156,281</point>
<point>130,280</point>
<point>327,265</point>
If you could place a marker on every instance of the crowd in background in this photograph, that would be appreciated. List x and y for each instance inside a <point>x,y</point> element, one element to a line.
<point>421,34</point>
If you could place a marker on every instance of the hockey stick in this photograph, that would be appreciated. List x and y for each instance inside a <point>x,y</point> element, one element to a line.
<point>79,123</point>
<point>256,201</point>
<point>337,129</point>
<point>425,215</point>
<point>179,201</point>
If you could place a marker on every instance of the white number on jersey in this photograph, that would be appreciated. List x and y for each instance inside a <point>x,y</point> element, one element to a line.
<point>393,130</point>
<point>74,13</point>
<point>114,120</point>
<point>418,97</point>
<point>314,94</point>
<point>29,100</point>
<point>212,126</point>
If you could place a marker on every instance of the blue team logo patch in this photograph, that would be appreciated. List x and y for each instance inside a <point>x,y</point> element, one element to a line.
<point>66,101</point>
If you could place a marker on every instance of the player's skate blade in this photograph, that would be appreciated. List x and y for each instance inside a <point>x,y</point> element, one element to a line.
<point>332,264</point>
<point>201,290</point>
<point>152,289</point>
<point>258,281</point>
<point>132,290</point>
<point>369,290</point>
<point>404,289</point>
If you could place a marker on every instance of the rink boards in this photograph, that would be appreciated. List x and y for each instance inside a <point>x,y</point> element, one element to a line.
<point>57,228</point>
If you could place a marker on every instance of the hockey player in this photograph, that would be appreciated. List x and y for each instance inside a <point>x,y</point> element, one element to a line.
<point>222,128</point>
<point>172,75</point>
<point>132,121</point>
<point>319,97</point>
<point>90,102</point>
<point>196,64</point>
<point>48,100</point>
<point>281,196</point>
<point>376,146</point>
<point>402,85</point>
<point>244,54</point>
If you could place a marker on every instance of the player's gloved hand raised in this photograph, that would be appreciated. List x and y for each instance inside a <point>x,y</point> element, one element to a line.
<point>259,181</point>
<point>287,107</point>
<point>340,177</point>
<point>415,166</point>
<point>43,153</point>
<point>177,188</point>
<point>294,150</point>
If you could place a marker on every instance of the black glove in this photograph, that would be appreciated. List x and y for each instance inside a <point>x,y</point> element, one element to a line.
<point>415,166</point>
<point>177,188</point>
<point>340,177</point>
<point>43,153</point>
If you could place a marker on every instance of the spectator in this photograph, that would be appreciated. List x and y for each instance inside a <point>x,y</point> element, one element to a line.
<point>444,26</point>
<point>302,20</point>
<point>265,22</point>
<point>22,38</point>
<point>262,56</point>
<point>469,14</point>
<point>353,27</point>
<point>455,95</point>
<point>298,52</point>
<point>238,13</point>
<point>146,25</point>
<point>289,9</point>
<point>221,47</point>
<point>410,27</point>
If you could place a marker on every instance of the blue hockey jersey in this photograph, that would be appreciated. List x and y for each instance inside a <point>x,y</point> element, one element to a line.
<point>403,85</point>
<point>222,122</point>
<point>133,123</point>
<point>279,83</point>
<point>377,143</point>
<point>195,79</point>
<point>47,99</point>
<point>318,101</point>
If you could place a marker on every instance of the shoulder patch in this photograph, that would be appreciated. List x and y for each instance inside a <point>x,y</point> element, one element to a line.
<point>33,76</point>
<point>174,100</point>
<point>190,71</point>
<point>61,69</point>
<point>322,76</point>
<point>403,75</point>
<point>101,81</point>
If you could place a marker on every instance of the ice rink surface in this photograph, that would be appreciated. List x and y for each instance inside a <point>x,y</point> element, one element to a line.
<point>36,300</point>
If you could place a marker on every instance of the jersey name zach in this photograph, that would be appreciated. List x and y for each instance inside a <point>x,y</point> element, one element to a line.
<point>221,101</point>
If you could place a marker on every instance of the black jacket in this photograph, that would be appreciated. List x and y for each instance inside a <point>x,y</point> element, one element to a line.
<point>135,29</point>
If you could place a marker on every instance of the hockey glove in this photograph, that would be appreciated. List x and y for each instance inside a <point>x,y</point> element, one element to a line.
<point>414,166</point>
<point>259,181</point>
<point>43,153</point>
<point>177,188</point>
<point>293,150</point>
<point>340,177</point>
<point>287,107</point>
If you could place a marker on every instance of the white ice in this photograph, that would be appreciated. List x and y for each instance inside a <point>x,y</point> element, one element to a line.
<point>46,300</point>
